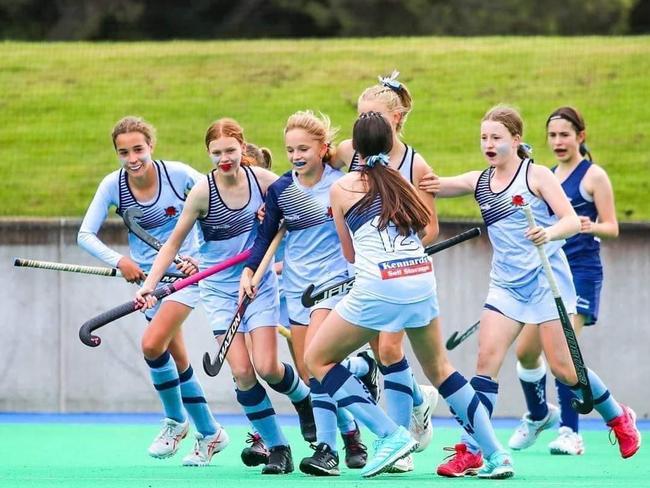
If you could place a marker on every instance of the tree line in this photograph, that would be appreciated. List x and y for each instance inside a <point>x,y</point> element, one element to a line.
<point>42,20</point>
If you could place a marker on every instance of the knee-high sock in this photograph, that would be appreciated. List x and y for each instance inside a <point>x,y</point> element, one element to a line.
<point>260,413</point>
<point>398,380</point>
<point>356,365</point>
<point>487,391</point>
<point>164,375</point>
<point>604,402</point>
<point>470,413</point>
<point>195,403</point>
<point>350,393</point>
<point>417,392</point>
<point>291,385</point>
<point>324,408</point>
<point>345,421</point>
<point>533,382</point>
<point>569,417</point>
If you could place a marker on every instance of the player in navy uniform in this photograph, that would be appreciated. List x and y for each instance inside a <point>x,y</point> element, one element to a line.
<point>519,292</point>
<point>379,219</point>
<point>590,193</point>
<point>225,205</point>
<point>407,403</point>
<point>158,188</point>
<point>312,254</point>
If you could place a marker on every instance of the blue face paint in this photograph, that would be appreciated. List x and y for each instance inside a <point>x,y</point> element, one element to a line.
<point>215,159</point>
<point>503,149</point>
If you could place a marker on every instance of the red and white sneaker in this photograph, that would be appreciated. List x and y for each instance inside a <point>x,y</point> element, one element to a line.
<point>627,435</point>
<point>205,447</point>
<point>168,441</point>
<point>462,463</point>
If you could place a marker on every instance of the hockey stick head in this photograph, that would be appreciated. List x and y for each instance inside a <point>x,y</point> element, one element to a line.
<point>306,299</point>
<point>210,368</point>
<point>130,217</point>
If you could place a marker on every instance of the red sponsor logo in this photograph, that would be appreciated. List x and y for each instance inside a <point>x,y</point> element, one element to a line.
<point>171,211</point>
<point>329,212</point>
<point>399,268</point>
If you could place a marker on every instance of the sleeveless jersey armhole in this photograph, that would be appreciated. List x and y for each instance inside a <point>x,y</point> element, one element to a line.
<point>169,180</point>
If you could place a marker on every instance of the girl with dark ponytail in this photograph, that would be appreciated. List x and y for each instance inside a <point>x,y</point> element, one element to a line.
<point>379,217</point>
<point>590,192</point>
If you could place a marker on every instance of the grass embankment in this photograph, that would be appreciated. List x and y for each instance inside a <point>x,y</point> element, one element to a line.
<point>59,102</point>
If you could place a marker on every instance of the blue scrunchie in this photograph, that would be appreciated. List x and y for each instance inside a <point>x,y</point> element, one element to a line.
<point>380,158</point>
<point>526,147</point>
<point>391,81</point>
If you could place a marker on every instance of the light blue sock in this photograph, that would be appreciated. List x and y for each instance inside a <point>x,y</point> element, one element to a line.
<point>604,402</point>
<point>417,392</point>
<point>259,411</point>
<point>350,393</point>
<point>164,375</point>
<point>195,403</point>
<point>398,380</point>
<point>345,421</point>
<point>470,412</point>
<point>356,365</point>
<point>487,391</point>
<point>291,385</point>
<point>324,408</point>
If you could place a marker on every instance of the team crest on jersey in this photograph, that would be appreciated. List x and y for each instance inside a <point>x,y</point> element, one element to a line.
<point>397,268</point>
<point>171,211</point>
<point>329,212</point>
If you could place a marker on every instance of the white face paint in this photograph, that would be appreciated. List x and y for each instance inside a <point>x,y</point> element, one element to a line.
<point>215,159</point>
<point>144,159</point>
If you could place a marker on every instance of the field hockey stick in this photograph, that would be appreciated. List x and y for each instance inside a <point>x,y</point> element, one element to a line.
<point>455,339</point>
<point>308,300</point>
<point>284,332</point>
<point>130,216</point>
<point>92,270</point>
<point>212,368</point>
<point>85,332</point>
<point>585,405</point>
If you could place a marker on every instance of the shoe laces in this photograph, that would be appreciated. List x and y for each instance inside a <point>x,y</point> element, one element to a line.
<point>321,451</point>
<point>167,431</point>
<point>619,428</point>
<point>457,450</point>
<point>352,445</point>
<point>253,438</point>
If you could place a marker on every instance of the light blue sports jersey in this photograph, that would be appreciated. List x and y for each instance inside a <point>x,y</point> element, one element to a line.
<point>388,266</point>
<point>161,213</point>
<point>312,252</point>
<point>405,167</point>
<point>228,231</point>
<point>515,262</point>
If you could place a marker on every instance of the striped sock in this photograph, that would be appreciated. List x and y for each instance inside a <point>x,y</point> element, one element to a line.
<point>487,391</point>
<point>398,381</point>
<point>325,414</point>
<point>533,382</point>
<point>417,392</point>
<point>350,393</point>
<point>470,413</point>
<point>165,380</point>
<point>291,385</point>
<point>195,403</point>
<point>345,421</point>
<point>260,413</point>
<point>604,402</point>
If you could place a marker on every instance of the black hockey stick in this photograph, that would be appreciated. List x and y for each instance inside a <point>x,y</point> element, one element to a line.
<point>78,268</point>
<point>342,287</point>
<point>212,368</point>
<point>457,338</point>
<point>85,332</point>
<point>585,405</point>
<point>130,216</point>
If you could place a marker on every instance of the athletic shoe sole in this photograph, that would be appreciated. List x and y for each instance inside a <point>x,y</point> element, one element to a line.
<point>315,470</point>
<point>403,452</point>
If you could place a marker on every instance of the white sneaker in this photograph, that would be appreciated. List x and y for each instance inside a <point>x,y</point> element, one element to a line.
<point>420,426</point>
<point>205,447</point>
<point>169,439</point>
<point>526,434</point>
<point>403,465</point>
<point>567,442</point>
